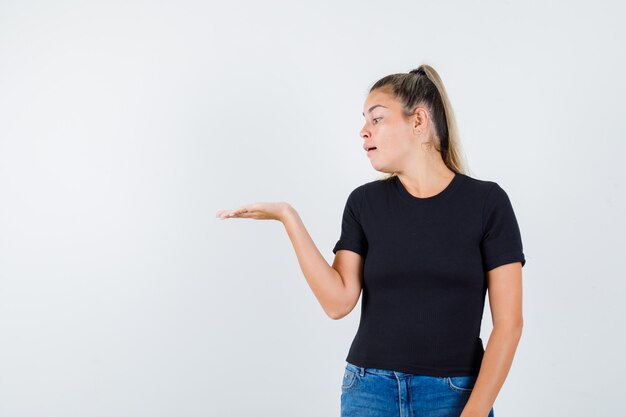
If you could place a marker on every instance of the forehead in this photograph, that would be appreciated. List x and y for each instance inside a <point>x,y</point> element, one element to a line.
<point>375,98</point>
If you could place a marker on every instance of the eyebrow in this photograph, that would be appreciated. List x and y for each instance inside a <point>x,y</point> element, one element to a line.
<point>373,107</point>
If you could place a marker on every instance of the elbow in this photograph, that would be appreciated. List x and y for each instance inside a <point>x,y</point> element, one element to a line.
<point>343,310</point>
<point>334,315</point>
<point>513,328</point>
<point>337,313</point>
<point>517,330</point>
<point>519,326</point>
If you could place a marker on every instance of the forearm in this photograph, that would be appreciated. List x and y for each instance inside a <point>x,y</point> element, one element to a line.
<point>494,369</point>
<point>324,280</point>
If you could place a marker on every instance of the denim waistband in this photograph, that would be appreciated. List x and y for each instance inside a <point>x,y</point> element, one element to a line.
<point>363,370</point>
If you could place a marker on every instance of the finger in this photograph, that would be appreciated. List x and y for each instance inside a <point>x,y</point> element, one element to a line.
<point>223,214</point>
<point>234,213</point>
<point>229,213</point>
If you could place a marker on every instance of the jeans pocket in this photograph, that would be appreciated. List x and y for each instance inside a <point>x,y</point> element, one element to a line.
<point>349,379</point>
<point>462,384</point>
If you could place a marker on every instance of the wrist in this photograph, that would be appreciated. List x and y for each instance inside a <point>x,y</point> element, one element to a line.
<point>287,212</point>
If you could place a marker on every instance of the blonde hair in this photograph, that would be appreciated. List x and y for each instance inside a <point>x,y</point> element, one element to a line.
<point>423,87</point>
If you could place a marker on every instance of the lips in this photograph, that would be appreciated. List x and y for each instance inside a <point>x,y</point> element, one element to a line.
<point>371,149</point>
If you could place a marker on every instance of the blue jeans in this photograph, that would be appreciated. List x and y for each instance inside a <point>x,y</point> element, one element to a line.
<point>372,392</point>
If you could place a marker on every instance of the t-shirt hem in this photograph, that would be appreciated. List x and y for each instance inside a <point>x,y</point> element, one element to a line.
<point>410,369</point>
<point>505,258</point>
<point>349,246</point>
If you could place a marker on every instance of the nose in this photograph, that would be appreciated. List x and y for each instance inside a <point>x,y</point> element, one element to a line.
<point>364,133</point>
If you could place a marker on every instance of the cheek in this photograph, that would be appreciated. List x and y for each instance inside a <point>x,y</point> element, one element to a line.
<point>396,143</point>
<point>392,138</point>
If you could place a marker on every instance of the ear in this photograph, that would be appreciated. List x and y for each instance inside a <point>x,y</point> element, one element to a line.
<point>420,119</point>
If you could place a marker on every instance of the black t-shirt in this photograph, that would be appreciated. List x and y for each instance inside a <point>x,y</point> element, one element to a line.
<point>425,264</point>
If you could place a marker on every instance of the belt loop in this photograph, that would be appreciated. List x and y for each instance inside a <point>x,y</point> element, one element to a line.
<point>362,371</point>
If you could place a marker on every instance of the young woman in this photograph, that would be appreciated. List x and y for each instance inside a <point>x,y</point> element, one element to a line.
<point>423,244</point>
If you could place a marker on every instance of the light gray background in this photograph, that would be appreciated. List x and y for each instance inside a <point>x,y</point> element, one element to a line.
<point>125,126</point>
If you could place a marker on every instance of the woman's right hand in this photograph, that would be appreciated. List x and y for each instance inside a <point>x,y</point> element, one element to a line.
<point>259,210</point>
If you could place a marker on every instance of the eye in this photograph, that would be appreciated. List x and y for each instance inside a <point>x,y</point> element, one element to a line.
<point>374,120</point>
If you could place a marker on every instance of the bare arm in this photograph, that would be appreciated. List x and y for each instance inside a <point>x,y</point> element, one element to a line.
<point>337,288</point>
<point>325,282</point>
<point>505,300</point>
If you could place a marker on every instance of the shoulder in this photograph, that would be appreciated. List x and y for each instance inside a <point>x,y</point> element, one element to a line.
<point>478,185</point>
<point>371,188</point>
<point>484,190</point>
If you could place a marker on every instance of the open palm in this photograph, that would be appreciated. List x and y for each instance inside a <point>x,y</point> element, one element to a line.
<point>259,210</point>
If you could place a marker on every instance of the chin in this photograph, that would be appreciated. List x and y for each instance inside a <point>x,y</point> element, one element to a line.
<point>382,170</point>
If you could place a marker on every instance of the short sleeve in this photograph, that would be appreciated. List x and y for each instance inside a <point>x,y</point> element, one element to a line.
<point>501,240</point>
<point>352,235</point>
